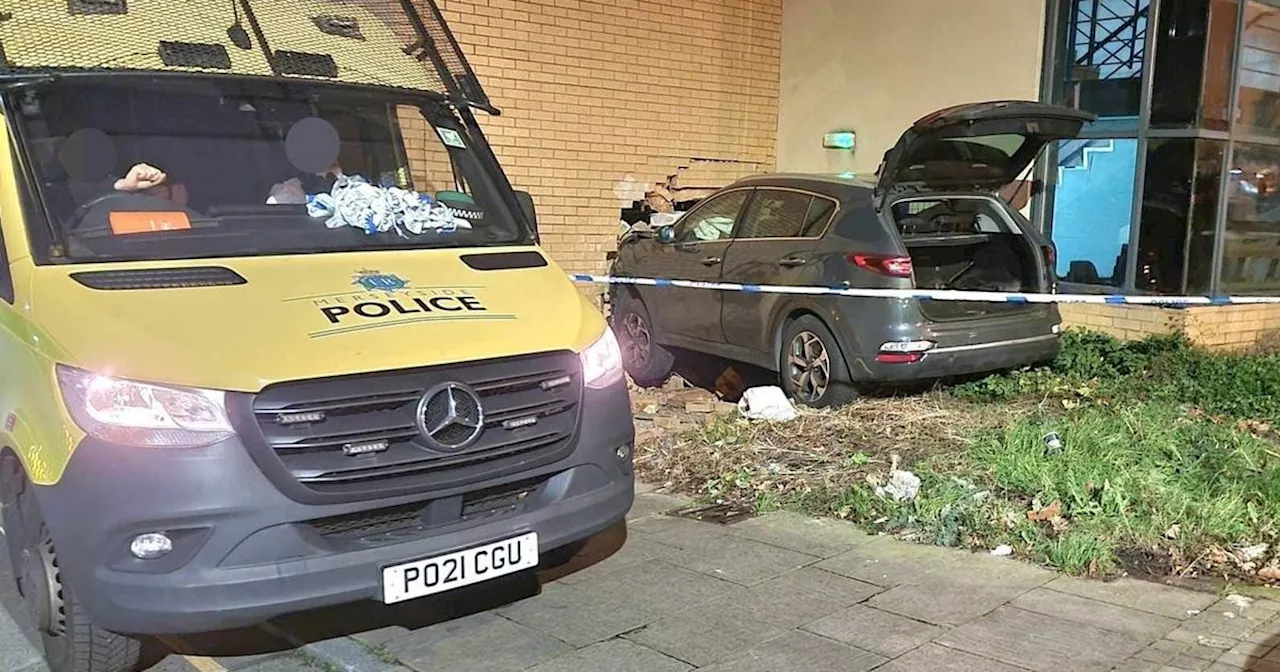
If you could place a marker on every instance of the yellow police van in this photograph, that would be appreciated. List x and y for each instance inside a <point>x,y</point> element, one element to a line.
<point>275,330</point>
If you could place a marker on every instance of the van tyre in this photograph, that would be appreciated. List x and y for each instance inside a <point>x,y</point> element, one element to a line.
<point>648,363</point>
<point>812,368</point>
<point>71,642</point>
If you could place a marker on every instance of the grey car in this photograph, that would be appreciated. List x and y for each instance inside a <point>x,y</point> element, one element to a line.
<point>933,220</point>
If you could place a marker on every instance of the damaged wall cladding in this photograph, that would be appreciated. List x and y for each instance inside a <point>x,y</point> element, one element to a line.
<point>595,90</point>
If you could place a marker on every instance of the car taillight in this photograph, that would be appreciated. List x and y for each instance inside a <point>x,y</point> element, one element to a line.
<point>904,352</point>
<point>894,267</point>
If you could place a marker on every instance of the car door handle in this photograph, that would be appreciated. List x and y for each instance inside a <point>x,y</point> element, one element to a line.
<point>792,261</point>
<point>711,261</point>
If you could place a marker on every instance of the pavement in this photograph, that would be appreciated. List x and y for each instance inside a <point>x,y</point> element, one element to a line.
<point>780,592</point>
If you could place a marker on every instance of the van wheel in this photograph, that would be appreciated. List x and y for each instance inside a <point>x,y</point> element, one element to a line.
<point>71,642</point>
<point>812,368</point>
<point>648,363</point>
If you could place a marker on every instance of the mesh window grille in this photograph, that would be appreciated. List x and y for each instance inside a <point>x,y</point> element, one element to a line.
<point>392,43</point>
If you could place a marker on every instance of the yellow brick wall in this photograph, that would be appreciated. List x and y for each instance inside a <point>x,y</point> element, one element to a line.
<point>1217,327</point>
<point>1127,322</point>
<point>602,99</point>
<point>1233,327</point>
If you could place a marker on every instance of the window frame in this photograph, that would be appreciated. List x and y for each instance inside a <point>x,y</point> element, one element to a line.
<point>8,292</point>
<point>737,232</point>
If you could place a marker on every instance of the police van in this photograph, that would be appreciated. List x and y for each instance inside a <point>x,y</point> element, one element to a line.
<point>275,329</point>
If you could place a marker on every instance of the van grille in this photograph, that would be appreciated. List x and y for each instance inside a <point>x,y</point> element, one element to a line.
<point>358,435</point>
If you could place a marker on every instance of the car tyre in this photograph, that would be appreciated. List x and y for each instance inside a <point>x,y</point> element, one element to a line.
<point>648,363</point>
<point>71,642</point>
<point>812,368</point>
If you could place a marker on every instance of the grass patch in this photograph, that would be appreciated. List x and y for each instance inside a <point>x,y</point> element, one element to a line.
<point>1167,465</point>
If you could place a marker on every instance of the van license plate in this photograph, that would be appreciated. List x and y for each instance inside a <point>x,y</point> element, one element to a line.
<point>455,570</point>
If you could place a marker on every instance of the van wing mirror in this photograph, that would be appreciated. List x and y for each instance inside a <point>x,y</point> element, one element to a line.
<point>525,199</point>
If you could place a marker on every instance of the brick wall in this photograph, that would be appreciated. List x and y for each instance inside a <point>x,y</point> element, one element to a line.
<point>603,99</point>
<point>1218,327</point>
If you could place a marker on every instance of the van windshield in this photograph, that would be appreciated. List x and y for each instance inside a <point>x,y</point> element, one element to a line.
<point>151,168</point>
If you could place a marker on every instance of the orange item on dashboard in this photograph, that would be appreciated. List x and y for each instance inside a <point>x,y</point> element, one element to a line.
<point>124,223</point>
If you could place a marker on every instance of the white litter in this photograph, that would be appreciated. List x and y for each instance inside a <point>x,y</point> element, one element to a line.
<point>903,486</point>
<point>767,403</point>
<point>354,202</point>
<point>1002,551</point>
<point>1240,602</point>
<point>1250,553</point>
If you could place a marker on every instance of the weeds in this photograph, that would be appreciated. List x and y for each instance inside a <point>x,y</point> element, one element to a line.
<point>1167,462</point>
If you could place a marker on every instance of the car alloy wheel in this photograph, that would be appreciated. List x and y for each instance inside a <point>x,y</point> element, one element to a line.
<point>638,344</point>
<point>809,367</point>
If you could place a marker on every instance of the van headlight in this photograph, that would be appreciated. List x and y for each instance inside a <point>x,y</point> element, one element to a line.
<point>602,362</point>
<point>138,414</point>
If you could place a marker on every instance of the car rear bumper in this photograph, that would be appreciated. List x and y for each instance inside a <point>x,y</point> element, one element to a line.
<point>970,359</point>
<point>245,553</point>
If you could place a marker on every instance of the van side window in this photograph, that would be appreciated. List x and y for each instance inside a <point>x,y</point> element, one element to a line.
<point>713,220</point>
<point>6,275</point>
<point>776,214</point>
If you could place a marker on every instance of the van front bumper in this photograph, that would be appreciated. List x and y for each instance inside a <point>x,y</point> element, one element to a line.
<point>245,553</point>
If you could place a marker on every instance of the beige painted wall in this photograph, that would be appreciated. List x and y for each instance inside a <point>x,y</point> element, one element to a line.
<point>876,66</point>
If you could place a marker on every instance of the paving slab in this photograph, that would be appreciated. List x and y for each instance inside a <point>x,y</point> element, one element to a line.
<point>712,550</point>
<point>935,658</point>
<point>617,655</point>
<point>725,627</point>
<point>653,503</point>
<point>592,611</point>
<point>888,562</point>
<point>1042,643</point>
<point>638,548</point>
<point>820,537</point>
<point>483,642</point>
<point>801,652</point>
<point>944,602</point>
<point>1141,595</point>
<point>876,631</point>
<point>1142,624</point>
<point>841,589</point>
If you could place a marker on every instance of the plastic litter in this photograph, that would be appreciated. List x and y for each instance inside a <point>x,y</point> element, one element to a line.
<point>1240,602</point>
<point>1053,442</point>
<point>903,486</point>
<point>355,202</point>
<point>767,403</point>
<point>1002,551</point>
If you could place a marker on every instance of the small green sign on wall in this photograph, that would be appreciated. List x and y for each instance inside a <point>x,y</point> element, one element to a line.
<point>845,141</point>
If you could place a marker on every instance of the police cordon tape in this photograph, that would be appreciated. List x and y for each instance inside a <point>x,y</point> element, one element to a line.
<point>934,295</point>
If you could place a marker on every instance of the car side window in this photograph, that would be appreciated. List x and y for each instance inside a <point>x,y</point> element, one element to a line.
<point>776,214</point>
<point>819,215</point>
<point>713,220</point>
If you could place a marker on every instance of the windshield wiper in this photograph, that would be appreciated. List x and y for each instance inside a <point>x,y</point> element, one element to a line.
<point>17,82</point>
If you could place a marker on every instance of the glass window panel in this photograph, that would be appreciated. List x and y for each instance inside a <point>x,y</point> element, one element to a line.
<point>1102,51</point>
<point>1092,207</point>
<point>1192,72</point>
<point>1179,208</point>
<point>1259,110</point>
<point>1251,250</point>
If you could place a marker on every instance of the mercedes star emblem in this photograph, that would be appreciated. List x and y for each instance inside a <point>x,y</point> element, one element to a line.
<point>450,417</point>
